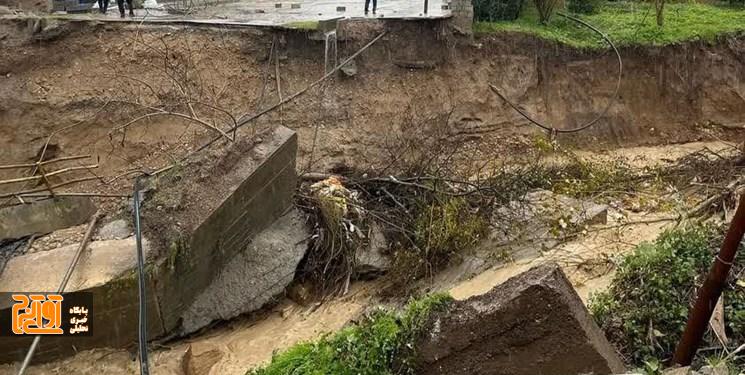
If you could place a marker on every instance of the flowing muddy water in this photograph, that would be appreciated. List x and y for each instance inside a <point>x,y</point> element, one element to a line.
<point>236,346</point>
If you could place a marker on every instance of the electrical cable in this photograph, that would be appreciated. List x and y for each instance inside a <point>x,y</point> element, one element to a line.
<point>142,331</point>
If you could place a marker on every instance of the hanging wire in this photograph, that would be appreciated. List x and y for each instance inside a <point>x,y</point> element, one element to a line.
<point>551,128</point>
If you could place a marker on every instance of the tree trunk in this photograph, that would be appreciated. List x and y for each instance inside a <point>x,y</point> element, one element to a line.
<point>659,7</point>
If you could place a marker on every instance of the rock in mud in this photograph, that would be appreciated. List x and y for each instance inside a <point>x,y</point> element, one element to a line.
<point>300,293</point>
<point>371,260</point>
<point>115,230</point>
<point>534,323</point>
<point>199,362</point>
<point>255,276</point>
<point>349,69</point>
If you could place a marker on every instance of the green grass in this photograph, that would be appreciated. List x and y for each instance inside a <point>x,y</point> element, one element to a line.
<point>382,344</point>
<point>629,24</point>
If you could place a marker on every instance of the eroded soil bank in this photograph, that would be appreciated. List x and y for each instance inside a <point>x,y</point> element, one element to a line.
<point>84,78</point>
<point>93,73</point>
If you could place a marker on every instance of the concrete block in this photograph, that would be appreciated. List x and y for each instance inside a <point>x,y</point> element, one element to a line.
<point>44,216</point>
<point>534,323</point>
<point>199,217</point>
<point>255,276</point>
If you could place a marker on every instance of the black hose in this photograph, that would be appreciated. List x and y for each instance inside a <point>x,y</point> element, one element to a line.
<point>592,122</point>
<point>142,331</point>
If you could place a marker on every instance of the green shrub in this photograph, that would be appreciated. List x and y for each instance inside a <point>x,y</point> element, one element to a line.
<point>645,309</point>
<point>380,344</point>
<point>445,227</point>
<point>581,178</point>
<point>497,10</point>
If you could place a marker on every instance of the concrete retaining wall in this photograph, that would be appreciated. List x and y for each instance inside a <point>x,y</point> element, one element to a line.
<point>200,217</point>
<point>197,219</point>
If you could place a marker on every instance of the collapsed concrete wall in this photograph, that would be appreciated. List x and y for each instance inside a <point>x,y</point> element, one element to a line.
<point>202,215</point>
<point>535,323</point>
<point>220,229</point>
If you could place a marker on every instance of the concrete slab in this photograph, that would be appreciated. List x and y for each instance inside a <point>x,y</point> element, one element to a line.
<point>106,269</point>
<point>534,323</point>
<point>44,216</point>
<point>42,271</point>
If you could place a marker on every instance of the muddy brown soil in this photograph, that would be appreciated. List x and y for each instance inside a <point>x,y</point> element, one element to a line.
<point>85,74</point>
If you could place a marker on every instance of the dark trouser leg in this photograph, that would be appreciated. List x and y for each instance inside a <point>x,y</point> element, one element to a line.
<point>105,5</point>
<point>100,6</point>
<point>367,5</point>
<point>131,8</point>
<point>120,4</point>
<point>375,5</point>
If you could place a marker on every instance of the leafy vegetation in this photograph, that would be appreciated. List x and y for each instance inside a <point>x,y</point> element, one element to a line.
<point>646,307</point>
<point>381,344</point>
<point>581,178</point>
<point>445,227</point>
<point>629,23</point>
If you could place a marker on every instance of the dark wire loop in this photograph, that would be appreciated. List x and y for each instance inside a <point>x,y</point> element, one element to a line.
<point>552,129</point>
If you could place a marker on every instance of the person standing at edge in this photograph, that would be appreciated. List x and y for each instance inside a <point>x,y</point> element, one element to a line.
<point>367,5</point>
<point>120,3</point>
<point>103,6</point>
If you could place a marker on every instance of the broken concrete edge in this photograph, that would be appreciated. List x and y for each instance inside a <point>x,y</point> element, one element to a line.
<point>45,216</point>
<point>533,323</point>
<point>255,277</point>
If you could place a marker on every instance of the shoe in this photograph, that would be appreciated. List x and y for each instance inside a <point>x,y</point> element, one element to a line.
<point>121,15</point>
<point>131,13</point>
<point>365,11</point>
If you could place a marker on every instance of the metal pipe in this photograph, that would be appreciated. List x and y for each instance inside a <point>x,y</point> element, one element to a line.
<point>63,284</point>
<point>709,293</point>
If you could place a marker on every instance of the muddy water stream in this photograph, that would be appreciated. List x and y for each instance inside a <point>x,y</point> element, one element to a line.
<point>237,346</point>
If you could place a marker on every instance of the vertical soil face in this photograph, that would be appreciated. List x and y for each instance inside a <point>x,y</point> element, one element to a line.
<point>91,74</point>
